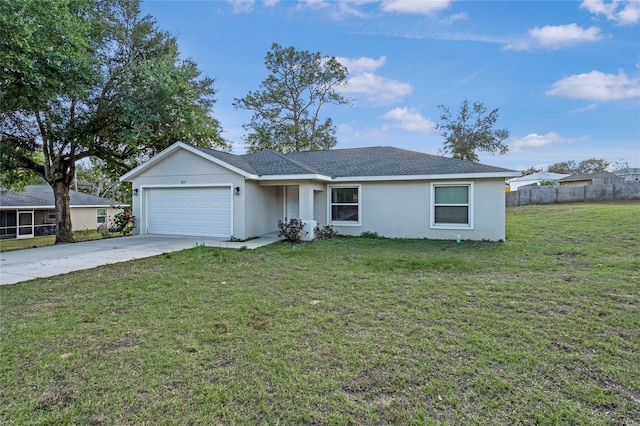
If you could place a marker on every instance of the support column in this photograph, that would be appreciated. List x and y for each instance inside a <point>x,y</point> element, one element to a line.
<point>306,211</point>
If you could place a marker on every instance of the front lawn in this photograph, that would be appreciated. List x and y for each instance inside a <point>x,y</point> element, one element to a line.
<point>542,329</point>
<point>49,240</point>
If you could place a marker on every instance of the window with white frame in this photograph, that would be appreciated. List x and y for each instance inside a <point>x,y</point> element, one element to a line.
<point>101,215</point>
<point>451,205</point>
<point>344,205</point>
<point>51,216</point>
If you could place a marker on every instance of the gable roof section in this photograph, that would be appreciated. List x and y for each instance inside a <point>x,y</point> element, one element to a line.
<point>225,159</point>
<point>234,160</point>
<point>373,163</point>
<point>42,196</point>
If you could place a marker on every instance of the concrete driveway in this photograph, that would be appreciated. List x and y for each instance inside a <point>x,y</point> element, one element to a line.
<point>23,265</point>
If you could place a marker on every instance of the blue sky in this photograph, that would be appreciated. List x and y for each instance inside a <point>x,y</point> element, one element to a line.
<point>564,74</point>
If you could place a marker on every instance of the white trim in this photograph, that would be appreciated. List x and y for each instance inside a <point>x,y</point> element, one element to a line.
<point>181,145</point>
<point>18,226</point>
<point>144,206</point>
<point>267,178</point>
<point>344,223</point>
<point>52,207</point>
<point>427,177</point>
<point>432,206</point>
<point>105,215</point>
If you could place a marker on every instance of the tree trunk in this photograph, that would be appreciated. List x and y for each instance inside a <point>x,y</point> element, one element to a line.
<point>63,211</point>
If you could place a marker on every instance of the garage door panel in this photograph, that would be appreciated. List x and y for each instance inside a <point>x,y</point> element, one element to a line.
<point>189,211</point>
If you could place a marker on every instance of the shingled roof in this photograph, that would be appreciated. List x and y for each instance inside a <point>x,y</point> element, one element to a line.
<point>42,196</point>
<point>591,176</point>
<point>351,162</point>
<point>372,163</point>
<point>386,161</point>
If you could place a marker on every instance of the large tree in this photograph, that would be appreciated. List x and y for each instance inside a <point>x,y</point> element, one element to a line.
<point>286,109</point>
<point>590,165</point>
<point>92,78</point>
<point>470,131</point>
<point>91,179</point>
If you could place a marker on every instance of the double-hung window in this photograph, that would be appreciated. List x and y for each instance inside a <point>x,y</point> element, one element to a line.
<point>344,205</point>
<point>101,215</point>
<point>451,205</point>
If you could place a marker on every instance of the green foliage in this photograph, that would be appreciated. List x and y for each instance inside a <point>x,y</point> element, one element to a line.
<point>93,78</point>
<point>590,165</point>
<point>369,234</point>
<point>286,109</point>
<point>291,230</point>
<point>92,179</point>
<point>123,222</point>
<point>470,131</point>
<point>16,178</point>
<point>548,182</point>
<point>530,171</point>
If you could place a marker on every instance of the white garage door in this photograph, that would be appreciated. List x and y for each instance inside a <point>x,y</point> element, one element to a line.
<point>198,212</point>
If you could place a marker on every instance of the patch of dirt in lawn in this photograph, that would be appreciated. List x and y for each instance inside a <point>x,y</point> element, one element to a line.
<point>55,395</point>
<point>567,254</point>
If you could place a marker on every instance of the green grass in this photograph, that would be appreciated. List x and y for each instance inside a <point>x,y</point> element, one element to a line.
<point>541,329</point>
<point>49,240</point>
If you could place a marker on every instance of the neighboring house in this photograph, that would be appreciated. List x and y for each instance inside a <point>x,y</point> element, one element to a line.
<point>534,178</point>
<point>597,178</point>
<point>32,212</point>
<point>628,174</point>
<point>188,190</point>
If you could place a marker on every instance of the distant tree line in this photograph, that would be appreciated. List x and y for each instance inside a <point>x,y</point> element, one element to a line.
<point>590,165</point>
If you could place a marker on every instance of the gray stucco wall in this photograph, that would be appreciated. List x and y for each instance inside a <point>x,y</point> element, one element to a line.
<point>183,168</point>
<point>264,205</point>
<point>402,210</point>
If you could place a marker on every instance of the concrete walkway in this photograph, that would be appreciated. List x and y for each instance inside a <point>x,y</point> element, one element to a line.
<point>23,265</point>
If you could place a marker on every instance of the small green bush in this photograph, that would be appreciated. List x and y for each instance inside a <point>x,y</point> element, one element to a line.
<point>123,222</point>
<point>369,234</point>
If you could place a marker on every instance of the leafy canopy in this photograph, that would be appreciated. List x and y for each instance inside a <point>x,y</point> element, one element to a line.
<point>286,109</point>
<point>92,78</point>
<point>590,165</point>
<point>470,131</point>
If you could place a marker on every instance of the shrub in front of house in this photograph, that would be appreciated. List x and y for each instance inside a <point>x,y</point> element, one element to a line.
<point>291,230</point>
<point>325,232</point>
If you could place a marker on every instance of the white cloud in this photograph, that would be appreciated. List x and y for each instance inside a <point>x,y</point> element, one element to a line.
<point>410,120</point>
<point>379,90</point>
<point>415,6</point>
<point>270,3</point>
<point>362,64</point>
<point>589,107</point>
<point>556,37</point>
<point>534,140</point>
<point>597,86</point>
<point>620,11</point>
<point>337,9</point>
<point>242,6</point>
<point>454,18</point>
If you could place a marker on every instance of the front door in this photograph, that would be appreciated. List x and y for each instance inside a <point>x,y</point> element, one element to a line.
<point>25,224</point>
